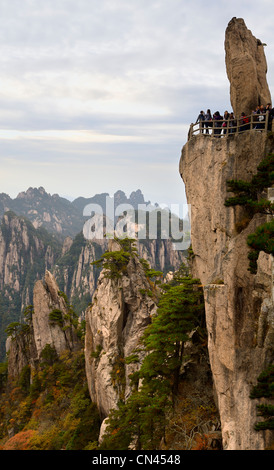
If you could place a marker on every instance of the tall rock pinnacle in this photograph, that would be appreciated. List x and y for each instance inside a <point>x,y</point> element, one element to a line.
<point>239,305</point>
<point>246,68</point>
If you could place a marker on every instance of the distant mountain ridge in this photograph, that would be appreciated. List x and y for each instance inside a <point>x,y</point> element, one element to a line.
<point>135,198</point>
<point>57,214</point>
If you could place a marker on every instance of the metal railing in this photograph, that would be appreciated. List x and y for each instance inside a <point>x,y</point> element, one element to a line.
<point>231,127</point>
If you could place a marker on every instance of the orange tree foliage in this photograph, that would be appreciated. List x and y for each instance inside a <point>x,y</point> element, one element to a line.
<point>54,413</point>
<point>21,441</point>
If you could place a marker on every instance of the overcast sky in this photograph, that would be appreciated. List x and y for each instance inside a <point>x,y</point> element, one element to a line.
<point>98,95</point>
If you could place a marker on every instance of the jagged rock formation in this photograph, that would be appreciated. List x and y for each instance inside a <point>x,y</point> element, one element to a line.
<point>239,305</point>
<point>22,352</point>
<point>59,331</point>
<point>50,325</point>
<point>161,255</point>
<point>120,311</point>
<point>25,253</point>
<point>246,68</point>
<point>74,273</point>
<point>20,245</point>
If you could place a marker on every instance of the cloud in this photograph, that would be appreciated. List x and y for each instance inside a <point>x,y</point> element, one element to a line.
<point>111,87</point>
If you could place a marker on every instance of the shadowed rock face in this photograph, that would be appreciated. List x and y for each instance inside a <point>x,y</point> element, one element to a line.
<point>246,68</point>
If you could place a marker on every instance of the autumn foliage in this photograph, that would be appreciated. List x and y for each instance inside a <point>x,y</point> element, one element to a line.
<point>54,412</point>
<point>21,441</point>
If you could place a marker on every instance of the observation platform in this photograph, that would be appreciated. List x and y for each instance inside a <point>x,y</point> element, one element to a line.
<point>230,127</point>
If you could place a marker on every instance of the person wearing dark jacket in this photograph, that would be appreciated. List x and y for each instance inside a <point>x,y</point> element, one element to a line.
<point>201,119</point>
<point>269,111</point>
<point>244,123</point>
<point>271,118</point>
<point>232,123</point>
<point>208,120</point>
<point>217,123</point>
<point>225,123</point>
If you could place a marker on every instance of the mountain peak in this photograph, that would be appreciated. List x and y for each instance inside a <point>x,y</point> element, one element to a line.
<point>57,214</point>
<point>32,192</point>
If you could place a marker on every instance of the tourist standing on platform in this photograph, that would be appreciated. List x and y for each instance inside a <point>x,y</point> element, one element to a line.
<point>217,124</point>
<point>208,120</point>
<point>201,119</point>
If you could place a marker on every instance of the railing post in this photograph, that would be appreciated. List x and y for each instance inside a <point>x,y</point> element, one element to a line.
<point>266,121</point>
<point>190,132</point>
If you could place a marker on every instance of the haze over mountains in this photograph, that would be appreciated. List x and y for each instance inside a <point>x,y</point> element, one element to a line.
<point>57,214</point>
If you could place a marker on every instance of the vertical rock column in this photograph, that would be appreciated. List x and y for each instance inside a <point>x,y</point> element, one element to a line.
<point>46,298</point>
<point>115,322</point>
<point>246,68</point>
<point>238,304</point>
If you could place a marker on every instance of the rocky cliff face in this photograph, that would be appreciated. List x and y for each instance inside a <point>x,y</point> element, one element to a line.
<point>25,253</point>
<point>239,305</point>
<point>22,352</point>
<point>50,324</point>
<point>20,246</point>
<point>246,68</point>
<point>161,255</point>
<point>74,273</point>
<point>52,318</point>
<point>236,302</point>
<point>120,311</point>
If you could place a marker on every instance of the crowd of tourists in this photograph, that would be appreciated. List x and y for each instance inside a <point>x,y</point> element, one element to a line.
<point>229,124</point>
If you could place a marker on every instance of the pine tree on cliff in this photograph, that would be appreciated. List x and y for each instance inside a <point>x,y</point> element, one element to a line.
<point>179,312</point>
<point>143,417</point>
<point>115,263</point>
<point>252,197</point>
<point>265,389</point>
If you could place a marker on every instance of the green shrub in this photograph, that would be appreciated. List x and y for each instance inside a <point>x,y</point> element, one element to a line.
<point>265,389</point>
<point>252,197</point>
<point>56,317</point>
<point>49,355</point>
